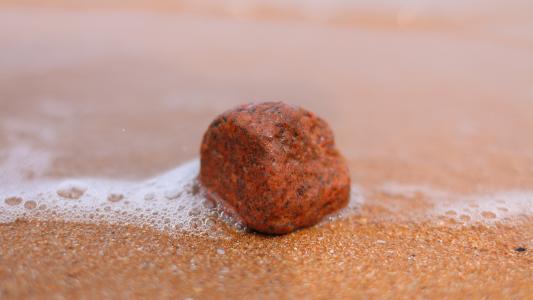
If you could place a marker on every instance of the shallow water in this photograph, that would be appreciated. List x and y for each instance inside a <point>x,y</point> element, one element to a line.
<point>127,95</point>
<point>176,202</point>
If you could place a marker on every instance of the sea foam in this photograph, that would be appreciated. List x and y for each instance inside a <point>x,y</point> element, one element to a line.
<point>176,202</point>
<point>172,201</point>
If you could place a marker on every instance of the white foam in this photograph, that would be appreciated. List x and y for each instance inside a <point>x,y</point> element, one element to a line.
<point>88,200</point>
<point>488,208</point>
<point>484,208</point>
<point>394,189</point>
<point>174,202</point>
<point>22,163</point>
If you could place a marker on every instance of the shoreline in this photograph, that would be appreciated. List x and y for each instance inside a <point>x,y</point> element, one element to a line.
<point>100,109</point>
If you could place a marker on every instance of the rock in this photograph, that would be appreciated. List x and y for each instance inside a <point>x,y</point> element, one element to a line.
<point>276,165</point>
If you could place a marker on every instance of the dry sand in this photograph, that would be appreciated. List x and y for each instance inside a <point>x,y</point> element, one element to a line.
<point>431,105</point>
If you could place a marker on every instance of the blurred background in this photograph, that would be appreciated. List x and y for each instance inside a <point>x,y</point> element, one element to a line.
<point>429,92</point>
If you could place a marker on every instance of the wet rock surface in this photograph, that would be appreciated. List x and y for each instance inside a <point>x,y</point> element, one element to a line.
<point>276,165</point>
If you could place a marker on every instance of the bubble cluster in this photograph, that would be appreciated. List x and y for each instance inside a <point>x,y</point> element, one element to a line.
<point>483,208</point>
<point>173,201</point>
<point>487,208</point>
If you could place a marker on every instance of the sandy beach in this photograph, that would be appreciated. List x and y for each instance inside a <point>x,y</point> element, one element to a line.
<point>103,106</point>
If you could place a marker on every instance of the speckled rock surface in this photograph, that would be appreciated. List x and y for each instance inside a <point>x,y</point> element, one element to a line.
<point>276,165</point>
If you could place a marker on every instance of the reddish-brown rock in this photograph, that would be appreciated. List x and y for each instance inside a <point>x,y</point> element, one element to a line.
<point>276,165</point>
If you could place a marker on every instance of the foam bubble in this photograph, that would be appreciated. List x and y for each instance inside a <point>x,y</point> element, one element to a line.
<point>30,204</point>
<point>149,196</point>
<point>12,201</point>
<point>115,197</point>
<point>72,189</point>
<point>173,193</point>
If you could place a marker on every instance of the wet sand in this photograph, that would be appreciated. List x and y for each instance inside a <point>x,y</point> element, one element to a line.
<point>347,259</point>
<point>433,110</point>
